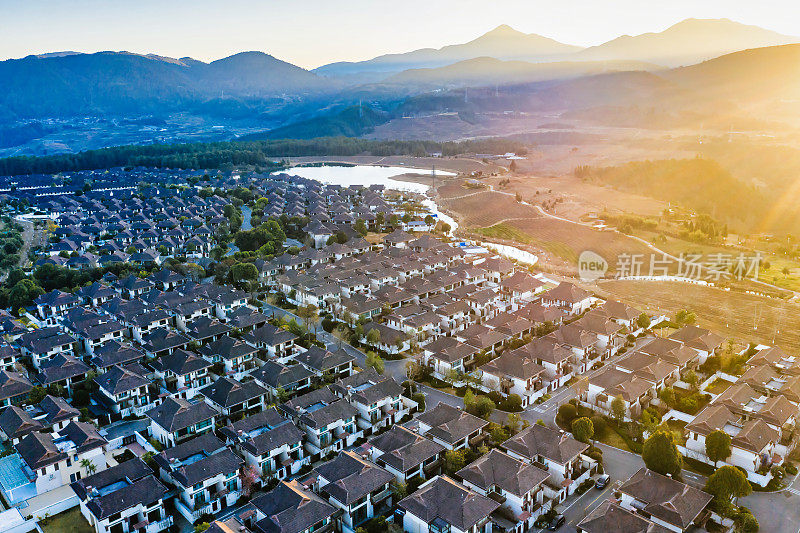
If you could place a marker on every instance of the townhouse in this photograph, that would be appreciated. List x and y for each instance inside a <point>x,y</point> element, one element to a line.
<point>205,473</point>
<point>406,454</point>
<point>378,399</point>
<point>176,420</point>
<point>328,421</point>
<point>353,484</point>
<point>126,498</point>
<point>271,445</point>
<point>557,453</point>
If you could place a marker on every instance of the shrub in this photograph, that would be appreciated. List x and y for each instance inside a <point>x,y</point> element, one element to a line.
<point>420,399</point>
<point>790,469</point>
<point>599,424</point>
<point>567,413</point>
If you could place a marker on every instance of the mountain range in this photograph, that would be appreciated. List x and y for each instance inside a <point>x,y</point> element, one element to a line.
<point>686,42</point>
<point>727,63</point>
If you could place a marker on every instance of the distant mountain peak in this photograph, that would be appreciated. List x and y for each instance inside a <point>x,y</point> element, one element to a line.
<point>503,30</point>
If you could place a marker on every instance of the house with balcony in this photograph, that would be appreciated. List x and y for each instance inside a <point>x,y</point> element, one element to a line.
<point>126,498</point>
<point>54,412</point>
<point>115,353</point>
<point>569,297</point>
<point>443,505</point>
<point>270,444</point>
<point>232,398</point>
<point>125,391</point>
<point>96,294</point>
<point>64,371</point>
<point>272,342</point>
<point>289,508</point>
<point>406,454</point>
<point>754,444</point>
<point>516,485</point>
<point>58,459</point>
<point>328,421</point>
<point>451,427</point>
<point>448,354</point>
<point>610,516</point>
<point>353,484</point>
<point>51,307</point>
<point>290,379</point>
<point>557,359</point>
<point>706,343</point>
<point>16,423</point>
<point>610,383</point>
<point>666,502</point>
<point>378,399</point>
<point>161,341</point>
<point>205,330</point>
<point>320,361</point>
<point>237,357</point>
<point>557,453</point>
<point>205,473</point>
<point>9,355</point>
<point>515,372</point>
<point>41,345</point>
<point>182,373</point>
<point>177,420</point>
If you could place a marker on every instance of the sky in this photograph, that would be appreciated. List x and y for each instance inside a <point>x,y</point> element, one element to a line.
<point>310,33</point>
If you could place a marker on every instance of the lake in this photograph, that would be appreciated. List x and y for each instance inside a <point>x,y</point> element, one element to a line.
<point>365,175</point>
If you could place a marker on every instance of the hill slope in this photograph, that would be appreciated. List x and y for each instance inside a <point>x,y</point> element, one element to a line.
<point>491,71</point>
<point>119,82</point>
<point>686,42</point>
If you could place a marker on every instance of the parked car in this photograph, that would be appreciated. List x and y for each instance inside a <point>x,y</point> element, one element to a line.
<point>602,481</point>
<point>557,521</point>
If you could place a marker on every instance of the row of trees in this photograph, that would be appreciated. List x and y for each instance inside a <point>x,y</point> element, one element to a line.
<point>260,154</point>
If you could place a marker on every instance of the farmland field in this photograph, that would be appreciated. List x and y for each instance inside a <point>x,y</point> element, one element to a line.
<point>737,315</point>
<point>478,209</point>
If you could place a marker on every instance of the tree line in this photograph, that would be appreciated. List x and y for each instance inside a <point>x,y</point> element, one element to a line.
<point>263,154</point>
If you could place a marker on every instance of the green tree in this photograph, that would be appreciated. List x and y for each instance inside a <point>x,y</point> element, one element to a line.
<point>643,321</point>
<point>243,273</point>
<point>361,227</point>
<point>660,454</point>
<point>726,483</point>
<point>567,413</point>
<point>618,409</point>
<point>373,337</point>
<point>484,406</point>
<point>746,523</point>
<point>691,378</point>
<point>718,446</point>
<point>374,361</point>
<point>583,429</point>
<point>454,460</point>
<point>685,317</point>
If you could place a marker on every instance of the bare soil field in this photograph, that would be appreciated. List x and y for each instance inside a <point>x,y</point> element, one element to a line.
<point>574,198</point>
<point>568,240</point>
<point>480,208</point>
<point>744,317</point>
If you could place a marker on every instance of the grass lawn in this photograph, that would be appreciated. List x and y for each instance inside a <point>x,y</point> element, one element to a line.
<point>71,521</point>
<point>718,386</point>
<point>612,438</point>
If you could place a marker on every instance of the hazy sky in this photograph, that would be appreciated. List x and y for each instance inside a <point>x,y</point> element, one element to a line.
<point>310,33</point>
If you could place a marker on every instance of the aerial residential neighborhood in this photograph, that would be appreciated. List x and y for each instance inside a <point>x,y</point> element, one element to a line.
<point>366,376</point>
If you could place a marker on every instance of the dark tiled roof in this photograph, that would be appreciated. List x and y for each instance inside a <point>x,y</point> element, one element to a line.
<point>452,502</point>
